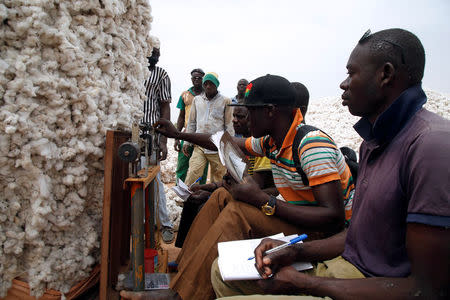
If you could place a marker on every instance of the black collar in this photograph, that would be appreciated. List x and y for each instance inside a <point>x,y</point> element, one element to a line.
<point>394,118</point>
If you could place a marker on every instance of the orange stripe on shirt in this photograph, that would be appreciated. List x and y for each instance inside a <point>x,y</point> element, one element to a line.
<point>249,148</point>
<point>318,165</point>
<point>316,145</point>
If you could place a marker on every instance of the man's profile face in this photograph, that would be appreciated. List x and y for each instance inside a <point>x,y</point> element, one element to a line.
<point>241,122</point>
<point>153,60</point>
<point>258,121</point>
<point>196,78</point>
<point>241,86</point>
<point>361,91</point>
<point>210,89</point>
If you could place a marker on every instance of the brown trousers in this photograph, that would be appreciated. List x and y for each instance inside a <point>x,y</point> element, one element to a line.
<point>221,219</point>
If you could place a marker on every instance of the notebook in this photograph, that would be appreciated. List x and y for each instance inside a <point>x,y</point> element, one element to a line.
<point>233,258</point>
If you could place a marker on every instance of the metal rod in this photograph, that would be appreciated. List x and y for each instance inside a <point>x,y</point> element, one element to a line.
<point>148,220</point>
<point>137,235</point>
<point>151,208</point>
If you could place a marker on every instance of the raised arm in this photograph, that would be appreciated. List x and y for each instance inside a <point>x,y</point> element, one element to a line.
<point>166,128</point>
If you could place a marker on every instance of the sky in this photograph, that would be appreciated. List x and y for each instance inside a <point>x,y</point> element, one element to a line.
<point>305,41</point>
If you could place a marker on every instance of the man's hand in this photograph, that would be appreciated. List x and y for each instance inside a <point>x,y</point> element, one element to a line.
<point>248,191</point>
<point>166,128</point>
<point>162,155</point>
<point>209,187</point>
<point>199,197</point>
<point>267,265</point>
<point>177,145</point>
<point>285,282</point>
<point>196,187</point>
<point>186,150</point>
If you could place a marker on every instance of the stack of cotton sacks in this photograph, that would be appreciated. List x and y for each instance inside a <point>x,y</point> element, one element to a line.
<point>69,70</point>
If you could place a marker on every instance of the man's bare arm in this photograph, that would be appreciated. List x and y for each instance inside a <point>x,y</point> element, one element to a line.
<point>166,128</point>
<point>265,181</point>
<point>316,250</point>
<point>180,120</point>
<point>180,125</point>
<point>328,216</point>
<point>164,114</point>
<point>429,252</point>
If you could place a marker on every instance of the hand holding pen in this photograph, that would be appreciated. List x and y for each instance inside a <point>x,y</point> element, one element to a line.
<point>267,264</point>
<point>198,179</point>
<point>282,246</point>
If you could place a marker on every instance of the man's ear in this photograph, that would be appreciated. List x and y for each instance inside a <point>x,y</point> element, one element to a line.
<point>387,74</point>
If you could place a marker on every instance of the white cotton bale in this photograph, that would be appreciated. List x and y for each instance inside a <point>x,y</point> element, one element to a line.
<point>69,70</point>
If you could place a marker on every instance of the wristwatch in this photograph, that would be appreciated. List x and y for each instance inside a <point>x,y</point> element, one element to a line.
<point>269,208</point>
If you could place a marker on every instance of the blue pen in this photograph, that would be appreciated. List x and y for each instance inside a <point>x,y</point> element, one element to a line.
<point>282,246</point>
<point>198,179</point>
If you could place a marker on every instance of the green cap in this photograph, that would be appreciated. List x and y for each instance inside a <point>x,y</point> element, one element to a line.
<point>211,77</point>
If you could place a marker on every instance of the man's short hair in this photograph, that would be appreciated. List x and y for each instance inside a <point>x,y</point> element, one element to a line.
<point>399,47</point>
<point>301,97</point>
<point>198,70</point>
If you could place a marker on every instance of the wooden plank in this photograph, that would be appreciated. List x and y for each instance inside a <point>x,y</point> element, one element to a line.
<point>120,216</point>
<point>152,172</point>
<point>116,216</point>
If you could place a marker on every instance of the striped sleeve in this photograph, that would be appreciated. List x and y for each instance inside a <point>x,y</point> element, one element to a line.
<point>165,86</point>
<point>254,146</point>
<point>320,159</point>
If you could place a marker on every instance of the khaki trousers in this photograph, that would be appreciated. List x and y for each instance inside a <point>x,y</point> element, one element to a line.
<point>197,164</point>
<point>234,290</point>
<point>221,219</point>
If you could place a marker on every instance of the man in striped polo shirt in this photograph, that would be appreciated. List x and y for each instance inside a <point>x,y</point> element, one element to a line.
<point>243,210</point>
<point>157,105</point>
<point>398,243</point>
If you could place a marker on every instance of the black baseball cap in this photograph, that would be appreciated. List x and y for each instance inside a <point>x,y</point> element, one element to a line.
<point>269,89</point>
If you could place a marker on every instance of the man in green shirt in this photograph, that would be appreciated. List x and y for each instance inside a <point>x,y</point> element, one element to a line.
<point>184,104</point>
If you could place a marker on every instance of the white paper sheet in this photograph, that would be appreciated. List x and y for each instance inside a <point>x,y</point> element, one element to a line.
<point>230,155</point>
<point>182,190</point>
<point>233,259</point>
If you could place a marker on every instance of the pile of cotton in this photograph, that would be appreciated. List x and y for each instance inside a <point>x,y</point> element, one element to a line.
<point>69,70</point>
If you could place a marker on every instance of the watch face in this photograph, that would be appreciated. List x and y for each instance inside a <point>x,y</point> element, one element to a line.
<point>268,210</point>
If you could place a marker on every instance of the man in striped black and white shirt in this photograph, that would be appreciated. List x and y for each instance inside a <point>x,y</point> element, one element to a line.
<point>157,90</point>
<point>157,105</point>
